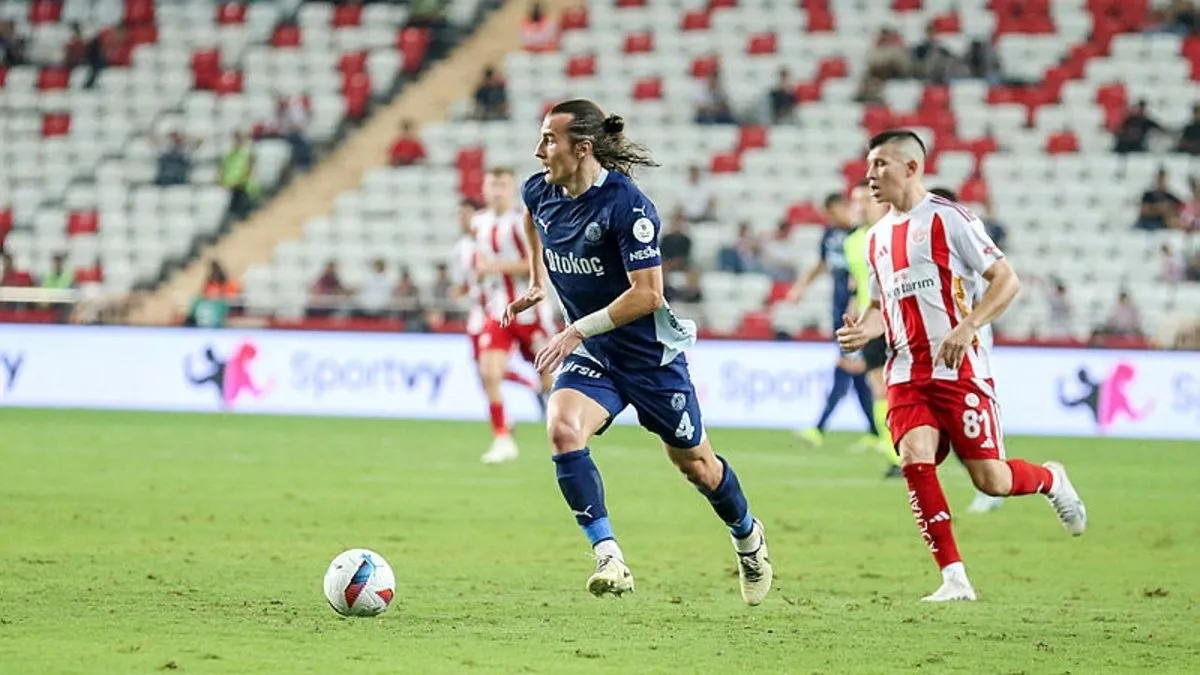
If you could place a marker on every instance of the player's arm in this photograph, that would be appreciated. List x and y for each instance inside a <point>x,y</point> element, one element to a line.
<point>644,295</point>
<point>536,269</point>
<point>971,243</point>
<point>1003,286</point>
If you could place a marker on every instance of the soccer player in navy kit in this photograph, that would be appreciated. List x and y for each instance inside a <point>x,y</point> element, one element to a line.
<point>595,235</point>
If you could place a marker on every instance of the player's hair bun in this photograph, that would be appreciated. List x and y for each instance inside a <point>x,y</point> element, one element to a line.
<point>613,124</point>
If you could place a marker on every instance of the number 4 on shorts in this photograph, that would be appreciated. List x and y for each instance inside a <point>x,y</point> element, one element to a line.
<point>685,430</point>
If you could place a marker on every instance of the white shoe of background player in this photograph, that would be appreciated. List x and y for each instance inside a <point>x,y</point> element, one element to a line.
<point>955,585</point>
<point>504,449</point>
<point>984,503</point>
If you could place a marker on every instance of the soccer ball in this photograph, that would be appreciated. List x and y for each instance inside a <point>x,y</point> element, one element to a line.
<point>359,582</point>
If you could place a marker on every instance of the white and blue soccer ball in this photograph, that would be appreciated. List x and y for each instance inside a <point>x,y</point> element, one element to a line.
<point>359,582</point>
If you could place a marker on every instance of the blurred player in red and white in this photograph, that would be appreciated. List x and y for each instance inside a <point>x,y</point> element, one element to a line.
<point>501,270</point>
<point>927,257</point>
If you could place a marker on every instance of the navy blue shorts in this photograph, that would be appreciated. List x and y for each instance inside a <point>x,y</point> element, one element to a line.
<point>663,397</point>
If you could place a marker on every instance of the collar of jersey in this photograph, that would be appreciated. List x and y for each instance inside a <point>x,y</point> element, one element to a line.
<point>600,178</point>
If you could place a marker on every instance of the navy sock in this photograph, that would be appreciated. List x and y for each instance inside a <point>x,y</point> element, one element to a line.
<point>841,384</point>
<point>866,401</point>
<point>729,502</point>
<point>579,481</point>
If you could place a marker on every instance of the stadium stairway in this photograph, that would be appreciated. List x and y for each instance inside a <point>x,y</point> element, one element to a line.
<point>282,219</point>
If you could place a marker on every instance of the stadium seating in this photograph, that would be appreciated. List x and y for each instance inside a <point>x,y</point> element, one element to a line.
<point>1042,153</point>
<point>77,165</point>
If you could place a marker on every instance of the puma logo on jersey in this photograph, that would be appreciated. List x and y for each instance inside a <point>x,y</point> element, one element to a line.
<point>640,210</point>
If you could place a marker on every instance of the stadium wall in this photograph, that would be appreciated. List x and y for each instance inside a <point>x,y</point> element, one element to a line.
<point>1073,392</point>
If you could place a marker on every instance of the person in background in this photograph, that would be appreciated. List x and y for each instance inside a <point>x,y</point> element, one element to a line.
<point>11,275</point>
<point>539,33</point>
<point>782,99</point>
<point>1160,208</point>
<point>1124,321</point>
<point>328,293</point>
<point>407,149</point>
<point>174,163</point>
<point>1134,131</point>
<point>1189,138</point>
<point>75,51</point>
<point>407,297</point>
<point>374,297</point>
<point>211,308</point>
<point>696,199</point>
<point>742,256</point>
<point>60,277</point>
<point>491,96</point>
<point>237,175</point>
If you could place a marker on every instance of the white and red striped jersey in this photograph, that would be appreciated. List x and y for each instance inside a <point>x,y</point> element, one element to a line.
<point>463,273</point>
<point>926,272</point>
<point>502,238</point>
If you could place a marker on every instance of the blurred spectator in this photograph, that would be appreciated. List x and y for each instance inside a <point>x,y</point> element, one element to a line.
<point>538,32</point>
<point>491,96</point>
<point>426,14</point>
<point>712,103</point>
<point>1160,208</point>
<point>870,90</point>
<point>1173,266</point>
<point>374,297</point>
<point>1189,217</point>
<point>100,51</point>
<point>888,58</point>
<point>743,255</point>
<point>12,45</point>
<point>237,174</point>
<point>327,294</point>
<point>1189,138</point>
<point>1179,16</point>
<point>932,61</point>
<point>443,285</point>
<point>696,200</point>
<point>683,287</point>
<point>994,228</point>
<point>982,62</point>
<point>779,253</point>
<point>290,122</point>
<point>210,309</point>
<point>11,275</point>
<point>75,51</point>
<point>1134,131</point>
<point>1124,321</point>
<point>60,277</point>
<point>1060,314</point>
<point>407,296</point>
<point>676,245</point>
<point>407,149</point>
<point>174,164</point>
<point>782,99</point>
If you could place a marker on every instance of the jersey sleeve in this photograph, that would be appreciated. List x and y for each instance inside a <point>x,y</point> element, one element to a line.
<point>637,228</point>
<point>969,241</point>
<point>872,277</point>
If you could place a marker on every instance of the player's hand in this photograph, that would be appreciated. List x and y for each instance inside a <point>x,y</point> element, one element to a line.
<point>954,345</point>
<point>486,266</point>
<point>533,295</point>
<point>851,337</point>
<point>558,348</point>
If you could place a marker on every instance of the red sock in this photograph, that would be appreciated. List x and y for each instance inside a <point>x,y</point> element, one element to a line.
<point>1029,479</point>
<point>499,425</point>
<point>929,507</point>
<point>514,376</point>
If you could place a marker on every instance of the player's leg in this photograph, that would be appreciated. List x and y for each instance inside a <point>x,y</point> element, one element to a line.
<point>841,384</point>
<point>979,440</point>
<point>921,446</point>
<point>495,345</point>
<point>530,340</point>
<point>583,403</point>
<point>667,406</point>
<point>875,358</point>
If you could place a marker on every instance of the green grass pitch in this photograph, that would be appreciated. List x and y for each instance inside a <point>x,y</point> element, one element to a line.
<point>142,543</point>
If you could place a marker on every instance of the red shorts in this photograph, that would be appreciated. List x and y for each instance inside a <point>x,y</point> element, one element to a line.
<point>963,411</point>
<point>528,337</point>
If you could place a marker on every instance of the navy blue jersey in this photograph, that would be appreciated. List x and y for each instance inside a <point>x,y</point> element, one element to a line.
<point>589,243</point>
<point>833,253</point>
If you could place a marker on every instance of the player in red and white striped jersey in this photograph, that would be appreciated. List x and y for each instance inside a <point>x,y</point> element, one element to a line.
<point>502,269</point>
<point>927,256</point>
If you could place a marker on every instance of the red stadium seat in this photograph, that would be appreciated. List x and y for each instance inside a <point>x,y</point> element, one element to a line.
<point>726,162</point>
<point>356,89</point>
<point>206,68</point>
<point>804,213</point>
<point>139,11</point>
<point>808,92</point>
<point>853,171</point>
<point>631,3</point>
<point>648,89</point>
<point>45,11</point>
<point>470,184</point>
<point>228,82</point>
<point>3,76</point>
<point>582,65</point>
<point>832,67</point>
<point>974,191</point>
<point>89,275</point>
<point>345,16</point>
<point>574,18</point>
<point>53,77</point>
<point>1062,142</point>
<point>877,118</point>
<point>756,325</point>
<point>906,5</point>
<point>6,221</point>
<point>1112,95</point>
<point>469,159</point>
<point>751,138</point>
<point>703,66</point>
<point>352,62</point>
<point>762,43</point>
<point>935,97</point>
<point>819,21</point>
<point>412,43</point>
<point>696,19</point>
<point>639,43</point>
<point>286,35</point>
<point>722,4</point>
<point>121,54</point>
<point>83,222</point>
<point>231,13</point>
<point>142,34</point>
<point>56,124</point>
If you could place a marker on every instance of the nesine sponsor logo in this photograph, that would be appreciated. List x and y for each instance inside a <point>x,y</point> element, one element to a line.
<point>904,288</point>
<point>569,264</point>
<point>648,253</point>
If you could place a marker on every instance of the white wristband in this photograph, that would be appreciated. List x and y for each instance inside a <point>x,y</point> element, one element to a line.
<point>595,323</point>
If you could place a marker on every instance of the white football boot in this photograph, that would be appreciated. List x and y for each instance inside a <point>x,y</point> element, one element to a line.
<point>955,585</point>
<point>983,503</point>
<point>611,576</point>
<point>1066,501</point>
<point>754,567</point>
<point>504,449</point>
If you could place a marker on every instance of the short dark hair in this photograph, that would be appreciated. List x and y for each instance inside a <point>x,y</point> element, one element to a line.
<point>891,135</point>
<point>945,193</point>
<point>606,133</point>
<point>832,199</point>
